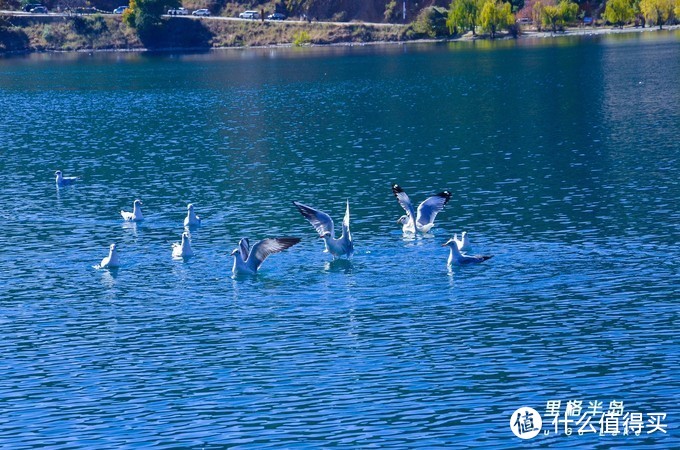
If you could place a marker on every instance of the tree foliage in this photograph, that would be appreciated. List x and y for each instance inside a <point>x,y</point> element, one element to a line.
<point>495,15</point>
<point>657,11</point>
<point>559,15</point>
<point>463,16</point>
<point>145,15</point>
<point>619,12</point>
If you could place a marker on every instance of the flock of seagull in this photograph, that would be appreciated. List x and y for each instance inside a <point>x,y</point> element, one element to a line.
<point>247,259</point>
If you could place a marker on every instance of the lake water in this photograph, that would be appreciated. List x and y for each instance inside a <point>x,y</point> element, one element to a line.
<point>562,157</point>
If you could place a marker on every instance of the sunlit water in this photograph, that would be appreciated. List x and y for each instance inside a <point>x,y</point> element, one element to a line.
<point>562,157</point>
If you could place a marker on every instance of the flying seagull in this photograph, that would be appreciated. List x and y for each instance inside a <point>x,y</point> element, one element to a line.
<point>191,220</point>
<point>456,257</point>
<point>136,213</point>
<point>112,261</point>
<point>247,260</point>
<point>183,249</point>
<point>64,181</point>
<point>427,211</point>
<point>323,224</point>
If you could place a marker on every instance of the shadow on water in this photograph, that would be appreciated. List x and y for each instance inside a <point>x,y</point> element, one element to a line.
<point>339,265</point>
<point>177,33</point>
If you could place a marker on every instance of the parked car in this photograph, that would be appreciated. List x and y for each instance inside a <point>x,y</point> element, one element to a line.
<point>249,15</point>
<point>39,10</point>
<point>525,21</point>
<point>276,16</point>
<point>201,12</point>
<point>30,6</point>
<point>120,10</point>
<point>178,12</point>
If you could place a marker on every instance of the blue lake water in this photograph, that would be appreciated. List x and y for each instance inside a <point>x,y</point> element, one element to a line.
<point>562,157</point>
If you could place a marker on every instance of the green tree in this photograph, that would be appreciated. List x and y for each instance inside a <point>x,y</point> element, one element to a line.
<point>656,11</point>
<point>494,16</point>
<point>619,12</point>
<point>145,15</point>
<point>559,15</point>
<point>537,12</point>
<point>463,15</point>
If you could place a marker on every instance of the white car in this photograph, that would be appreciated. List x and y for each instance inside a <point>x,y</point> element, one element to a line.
<point>201,12</point>
<point>178,12</point>
<point>249,15</point>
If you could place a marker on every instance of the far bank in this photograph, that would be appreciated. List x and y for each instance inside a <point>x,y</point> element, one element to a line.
<point>22,34</point>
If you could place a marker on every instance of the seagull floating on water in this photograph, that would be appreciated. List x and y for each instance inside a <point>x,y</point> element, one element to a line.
<point>183,249</point>
<point>64,181</point>
<point>323,224</point>
<point>112,261</point>
<point>456,257</point>
<point>427,211</point>
<point>463,243</point>
<point>136,213</point>
<point>247,260</point>
<point>191,220</point>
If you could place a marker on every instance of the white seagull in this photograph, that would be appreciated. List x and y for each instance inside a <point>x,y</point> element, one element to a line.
<point>182,250</point>
<point>463,243</point>
<point>191,220</point>
<point>456,257</point>
<point>323,224</point>
<point>64,181</point>
<point>112,261</point>
<point>423,220</point>
<point>247,260</point>
<point>136,213</point>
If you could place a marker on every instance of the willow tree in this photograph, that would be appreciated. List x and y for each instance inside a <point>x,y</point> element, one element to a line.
<point>619,12</point>
<point>463,15</point>
<point>494,16</point>
<point>657,11</point>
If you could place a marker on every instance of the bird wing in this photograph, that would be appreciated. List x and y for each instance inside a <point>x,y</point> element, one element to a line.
<point>321,221</point>
<point>403,200</point>
<point>345,225</point>
<point>267,247</point>
<point>429,209</point>
<point>244,248</point>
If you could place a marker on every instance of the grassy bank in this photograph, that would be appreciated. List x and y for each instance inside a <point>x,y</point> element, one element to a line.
<point>104,32</point>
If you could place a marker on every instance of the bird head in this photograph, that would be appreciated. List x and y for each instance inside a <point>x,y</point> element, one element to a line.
<point>234,252</point>
<point>451,242</point>
<point>325,235</point>
<point>57,173</point>
<point>190,206</point>
<point>112,247</point>
<point>138,202</point>
<point>402,219</point>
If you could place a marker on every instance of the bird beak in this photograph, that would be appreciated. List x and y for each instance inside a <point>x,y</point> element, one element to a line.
<point>445,245</point>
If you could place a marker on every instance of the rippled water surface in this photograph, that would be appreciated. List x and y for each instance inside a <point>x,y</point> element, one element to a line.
<point>562,157</point>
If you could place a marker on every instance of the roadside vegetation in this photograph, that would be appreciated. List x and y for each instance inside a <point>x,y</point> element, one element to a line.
<point>144,24</point>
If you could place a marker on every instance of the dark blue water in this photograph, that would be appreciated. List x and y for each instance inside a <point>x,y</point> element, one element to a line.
<point>562,157</point>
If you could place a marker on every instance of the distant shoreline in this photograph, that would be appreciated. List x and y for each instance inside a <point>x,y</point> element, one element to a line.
<point>55,34</point>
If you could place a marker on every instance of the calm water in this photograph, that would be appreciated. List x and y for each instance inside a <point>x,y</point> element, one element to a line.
<point>563,160</point>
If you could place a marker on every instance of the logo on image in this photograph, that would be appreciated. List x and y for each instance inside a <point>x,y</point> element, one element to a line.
<point>526,423</point>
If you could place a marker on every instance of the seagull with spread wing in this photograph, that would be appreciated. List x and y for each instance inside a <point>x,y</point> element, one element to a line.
<point>423,219</point>
<point>456,257</point>
<point>323,224</point>
<point>247,260</point>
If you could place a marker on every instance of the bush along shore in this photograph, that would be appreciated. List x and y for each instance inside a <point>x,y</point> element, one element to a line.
<point>101,32</point>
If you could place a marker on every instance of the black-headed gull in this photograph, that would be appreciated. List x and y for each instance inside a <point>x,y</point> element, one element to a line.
<point>456,257</point>
<point>323,224</point>
<point>136,213</point>
<point>423,220</point>
<point>64,181</point>
<point>183,249</point>
<point>247,260</point>
<point>463,243</point>
<point>191,220</point>
<point>112,261</point>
